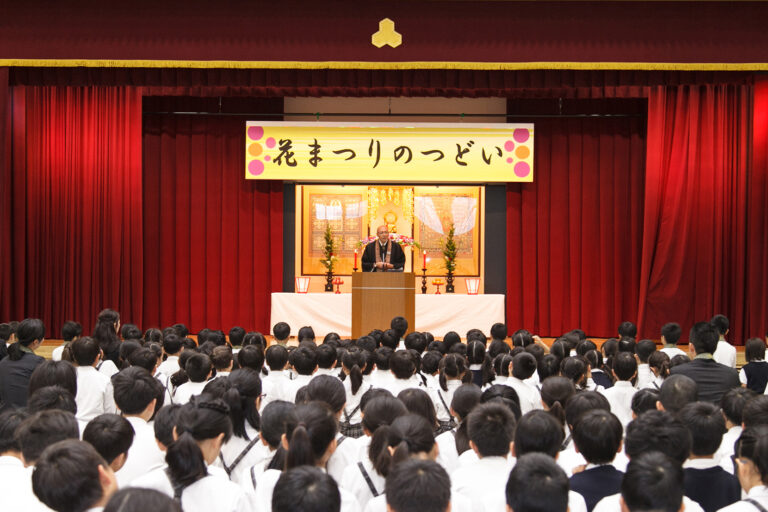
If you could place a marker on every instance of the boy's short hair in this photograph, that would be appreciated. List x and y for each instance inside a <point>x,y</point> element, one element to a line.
<point>676,391</point>
<point>721,324</point>
<point>733,401</point>
<point>85,350</point>
<point>198,367</point>
<point>134,389</point>
<point>491,427</point>
<point>304,360</point>
<point>276,357</point>
<point>9,422</point>
<point>136,499</point>
<point>583,402</point>
<point>307,489</point>
<point>671,333</point>
<point>281,331</point>
<point>326,356</point>
<point>221,357</point>
<point>110,434</point>
<point>165,421</point>
<point>755,411</point>
<point>537,483</point>
<point>644,400</point>
<point>653,481</point>
<point>644,349</point>
<point>658,431</point>
<point>172,344</point>
<point>43,429</point>
<point>706,424</point>
<point>66,476</point>
<point>624,365</point>
<point>144,357</point>
<point>71,330</point>
<point>538,432</point>
<point>418,486</point>
<point>51,397</point>
<point>597,434</point>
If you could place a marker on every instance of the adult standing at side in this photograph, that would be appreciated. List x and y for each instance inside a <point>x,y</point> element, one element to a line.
<point>17,367</point>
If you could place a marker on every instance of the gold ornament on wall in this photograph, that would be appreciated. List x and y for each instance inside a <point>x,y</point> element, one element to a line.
<point>386,35</point>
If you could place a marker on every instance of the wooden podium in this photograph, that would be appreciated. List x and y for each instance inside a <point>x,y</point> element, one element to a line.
<point>378,297</point>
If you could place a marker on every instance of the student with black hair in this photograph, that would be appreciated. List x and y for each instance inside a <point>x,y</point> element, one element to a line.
<point>751,454</point>
<point>620,395</point>
<point>52,397</point>
<point>94,389</point>
<point>242,393</point>
<point>141,500</point>
<point>326,360</point>
<point>199,369</point>
<point>353,362</point>
<point>456,442</point>
<point>306,489</point>
<point>676,392</point>
<point>137,395</point>
<point>652,482</point>
<point>627,330</point>
<point>670,335</point>
<point>276,385</point>
<point>400,326</point>
<point>539,432</point>
<point>69,332</point>
<point>282,332</point>
<point>418,486</point>
<point>303,360</point>
<point>430,368</point>
<point>202,426</point>
<point>111,435</point>
<point>171,349</point>
<point>16,369</point>
<point>522,368</point>
<point>453,372</point>
<point>643,351</point>
<point>597,369</point>
<point>754,374</point>
<point>548,367</point>
<point>658,363</point>
<point>536,484</point>
<point>252,356</point>
<point>479,363</point>
<point>569,458</point>
<point>755,411</point>
<point>379,408</point>
<point>402,365</point>
<point>42,429</point>
<point>418,401</point>
<point>555,392</point>
<point>274,420</point>
<point>71,476</point>
<point>222,360</point>
<point>725,353</point>
<point>381,377</point>
<point>597,435</point>
<point>705,481</point>
<point>15,478</point>
<point>54,373</point>
<point>644,400</point>
<point>732,404</point>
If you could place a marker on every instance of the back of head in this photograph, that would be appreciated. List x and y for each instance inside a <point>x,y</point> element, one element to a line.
<point>236,336</point>
<point>85,350</point>
<point>676,391</point>
<point>721,324</point>
<point>585,346</point>
<point>549,367</point>
<point>304,360</point>
<point>43,429</point>
<point>110,434</point>
<point>311,435</point>
<point>130,332</point>
<point>390,339</point>
<point>306,489</point>
<point>754,350</point>
<point>522,338</point>
<point>658,431</point>
<point>505,395</point>
<point>523,366</point>
<point>499,331</point>
<point>274,420</point>
<point>755,411</point>
<point>597,436</point>
<point>281,331</point>
<point>418,486</point>
<point>9,422</point>
<point>624,366</point>
<point>381,410</point>
<point>644,400</point>
<point>276,357</point>
<point>704,338</point>
<point>415,341</point>
<point>450,339</point>
<point>491,427</point>
<point>627,330</point>
<point>671,333</point>
<point>477,335</point>
<point>240,390</point>
<point>222,358</point>
<point>306,333</point>
<point>498,347</point>
<point>536,484</point>
<point>402,365</point>
<point>68,476</point>
<point>539,432</point>
<point>54,373</point>
<point>136,499</point>
<point>733,401</point>
<point>51,398</point>
<point>328,389</point>
<point>326,356</point>
<point>155,335</point>
<point>465,398</point>
<point>430,361</point>
<point>165,422</point>
<point>251,356</point>
<point>198,367</point>
<point>653,481</point>
<point>644,349</point>
<point>575,368</point>
<point>706,424</point>
<point>555,392</point>
<point>255,338</point>
<point>134,389</point>
<point>367,343</point>
<point>400,325</point>
<point>71,330</point>
<point>408,436</point>
<point>418,402</point>
<point>583,402</point>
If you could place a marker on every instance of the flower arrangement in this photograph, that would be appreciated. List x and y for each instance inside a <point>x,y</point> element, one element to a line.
<point>450,250</point>
<point>401,240</point>
<point>329,260</point>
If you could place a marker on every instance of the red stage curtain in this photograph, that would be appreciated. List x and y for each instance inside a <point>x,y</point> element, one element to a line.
<point>5,190</point>
<point>694,236</point>
<point>74,240</point>
<point>213,240</point>
<point>574,234</point>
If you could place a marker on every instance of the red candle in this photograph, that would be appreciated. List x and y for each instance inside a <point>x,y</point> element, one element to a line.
<point>425,260</point>
<point>355,266</point>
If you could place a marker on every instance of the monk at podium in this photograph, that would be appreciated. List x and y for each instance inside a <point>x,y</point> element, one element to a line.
<point>383,255</point>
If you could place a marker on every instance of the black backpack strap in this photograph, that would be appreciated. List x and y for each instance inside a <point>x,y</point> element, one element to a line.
<point>177,489</point>
<point>253,477</point>
<point>237,460</point>
<point>341,440</point>
<point>656,385</point>
<point>369,481</point>
<point>447,409</point>
<point>348,417</point>
<point>756,505</point>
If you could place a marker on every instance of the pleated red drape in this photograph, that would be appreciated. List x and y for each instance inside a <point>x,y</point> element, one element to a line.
<point>213,240</point>
<point>74,229</point>
<point>573,249</point>
<point>695,214</point>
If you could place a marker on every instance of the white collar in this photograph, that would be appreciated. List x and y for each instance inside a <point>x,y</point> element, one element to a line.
<point>758,491</point>
<point>623,384</point>
<point>593,466</point>
<point>706,463</point>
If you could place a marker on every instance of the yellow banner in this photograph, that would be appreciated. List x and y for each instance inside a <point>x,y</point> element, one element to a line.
<point>395,152</point>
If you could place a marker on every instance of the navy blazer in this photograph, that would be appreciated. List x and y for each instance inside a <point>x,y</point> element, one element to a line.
<point>596,483</point>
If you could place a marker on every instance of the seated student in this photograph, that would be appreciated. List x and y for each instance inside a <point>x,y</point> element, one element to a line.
<point>71,476</point>
<point>705,481</point>
<point>595,360</point>
<point>576,368</point>
<point>670,334</point>
<point>732,404</point>
<point>70,331</point>
<point>222,360</point>
<point>643,350</point>
<point>94,389</point>
<point>658,362</point>
<point>137,394</point>
<point>15,479</point>
<point>353,362</point>
<point>676,392</point>
<point>399,326</point>
<point>274,419</point>
<point>172,350</point>
<point>725,353</point>
<point>199,369</point>
<point>305,488</point>
<point>455,442</point>
<point>569,458</point>
<point>149,358</point>
<point>42,429</point>
<point>491,429</point>
<point>555,392</point>
<point>282,333</point>
<point>141,500</point>
<point>754,374</point>
<point>303,360</point>
<point>111,435</point>
<point>202,425</point>
<point>536,483</point>
<point>379,408</point>
<point>597,436</point>
<point>276,385</point>
<point>620,395</point>
<point>653,481</point>
<point>252,356</point>
<point>54,373</point>
<point>479,363</point>
<point>52,397</point>
<point>453,372</point>
<point>523,368</point>
<point>326,360</point>
<point>752,468</point>
<point>402,365</point>
<point>644,400</point>
<point>418,486</point>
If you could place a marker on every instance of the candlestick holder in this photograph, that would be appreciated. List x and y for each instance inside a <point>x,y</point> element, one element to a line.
<point>423,281</point>
<point>354,269</point>
<point>438,283</point>
<point>338,282</point>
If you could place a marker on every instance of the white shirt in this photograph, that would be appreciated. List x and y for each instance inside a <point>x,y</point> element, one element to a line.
<point>448,456</point>
<point>726,448</point>
<point>56,354</point>
<point>354,482</point>
<point>443,406</point>
<point>759,493</point>
<point>333,372</point>
<point>352,405</point>
<point>673,351</point>
<point>250,475</point>
<point>612,504</point>
<point>187,391</point>
<point>644,375</point>
<point>257,454</point>
<point>483,482</point>
<point>16,487</point>
<point>108,368</point>
<point>276,386</point>
<point>169,366</point>
<point>530,397</point>
<point>212,493</point>
<point>344,456</point>
<point>725,353</point>
<point>382,379</point>
<point>398,385</point>
<point>94,394</point>
<point>620,398</point>
<point>569,459</point>
<point>358,448</point>
<point>143,456</point>
<point>265,485</point>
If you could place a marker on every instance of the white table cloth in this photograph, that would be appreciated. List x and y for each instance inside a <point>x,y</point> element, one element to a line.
<point>438,314</point>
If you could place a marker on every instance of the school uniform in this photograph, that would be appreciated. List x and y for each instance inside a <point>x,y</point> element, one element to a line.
<point>596,482</point>
<point>458,504</point>
<point>167,386</point>
<point>612,504</point>
<point>359,447</point>
<point>443,403</point>
<point>143,456</point>
<point>644,375</point>
<point>530,398</point>
<point>276,386</point>
<point>467,458</point>
<point>16,487</point>
<point>351,416</point>
<point>363,481</point>
<point>754,375</point>
<point>94,394</point>
<point>726,449</point>
<point>107,367</point>
<point>725,353</point>
<point>483,482</point>
<point>654,384</point>
<point>399,385</point>
<point>169,366</point>
<point>265,486</point>
<point>601,379</point>
<point>448,456</point>
<point>382,379</point>
<point>250,475</point>
<point>345,455</point>
<point>620,398</point>
<point>212,493</point>
<point>332,372</point>
<point>56,354</point>
<point>239,453</point>
<point>672,351</point>
<point>756,495</point>
<point>298,382</point>
<point>477,374</point>
<point>188,390</point>
<point>709,485</point>
<point>569,459</point>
